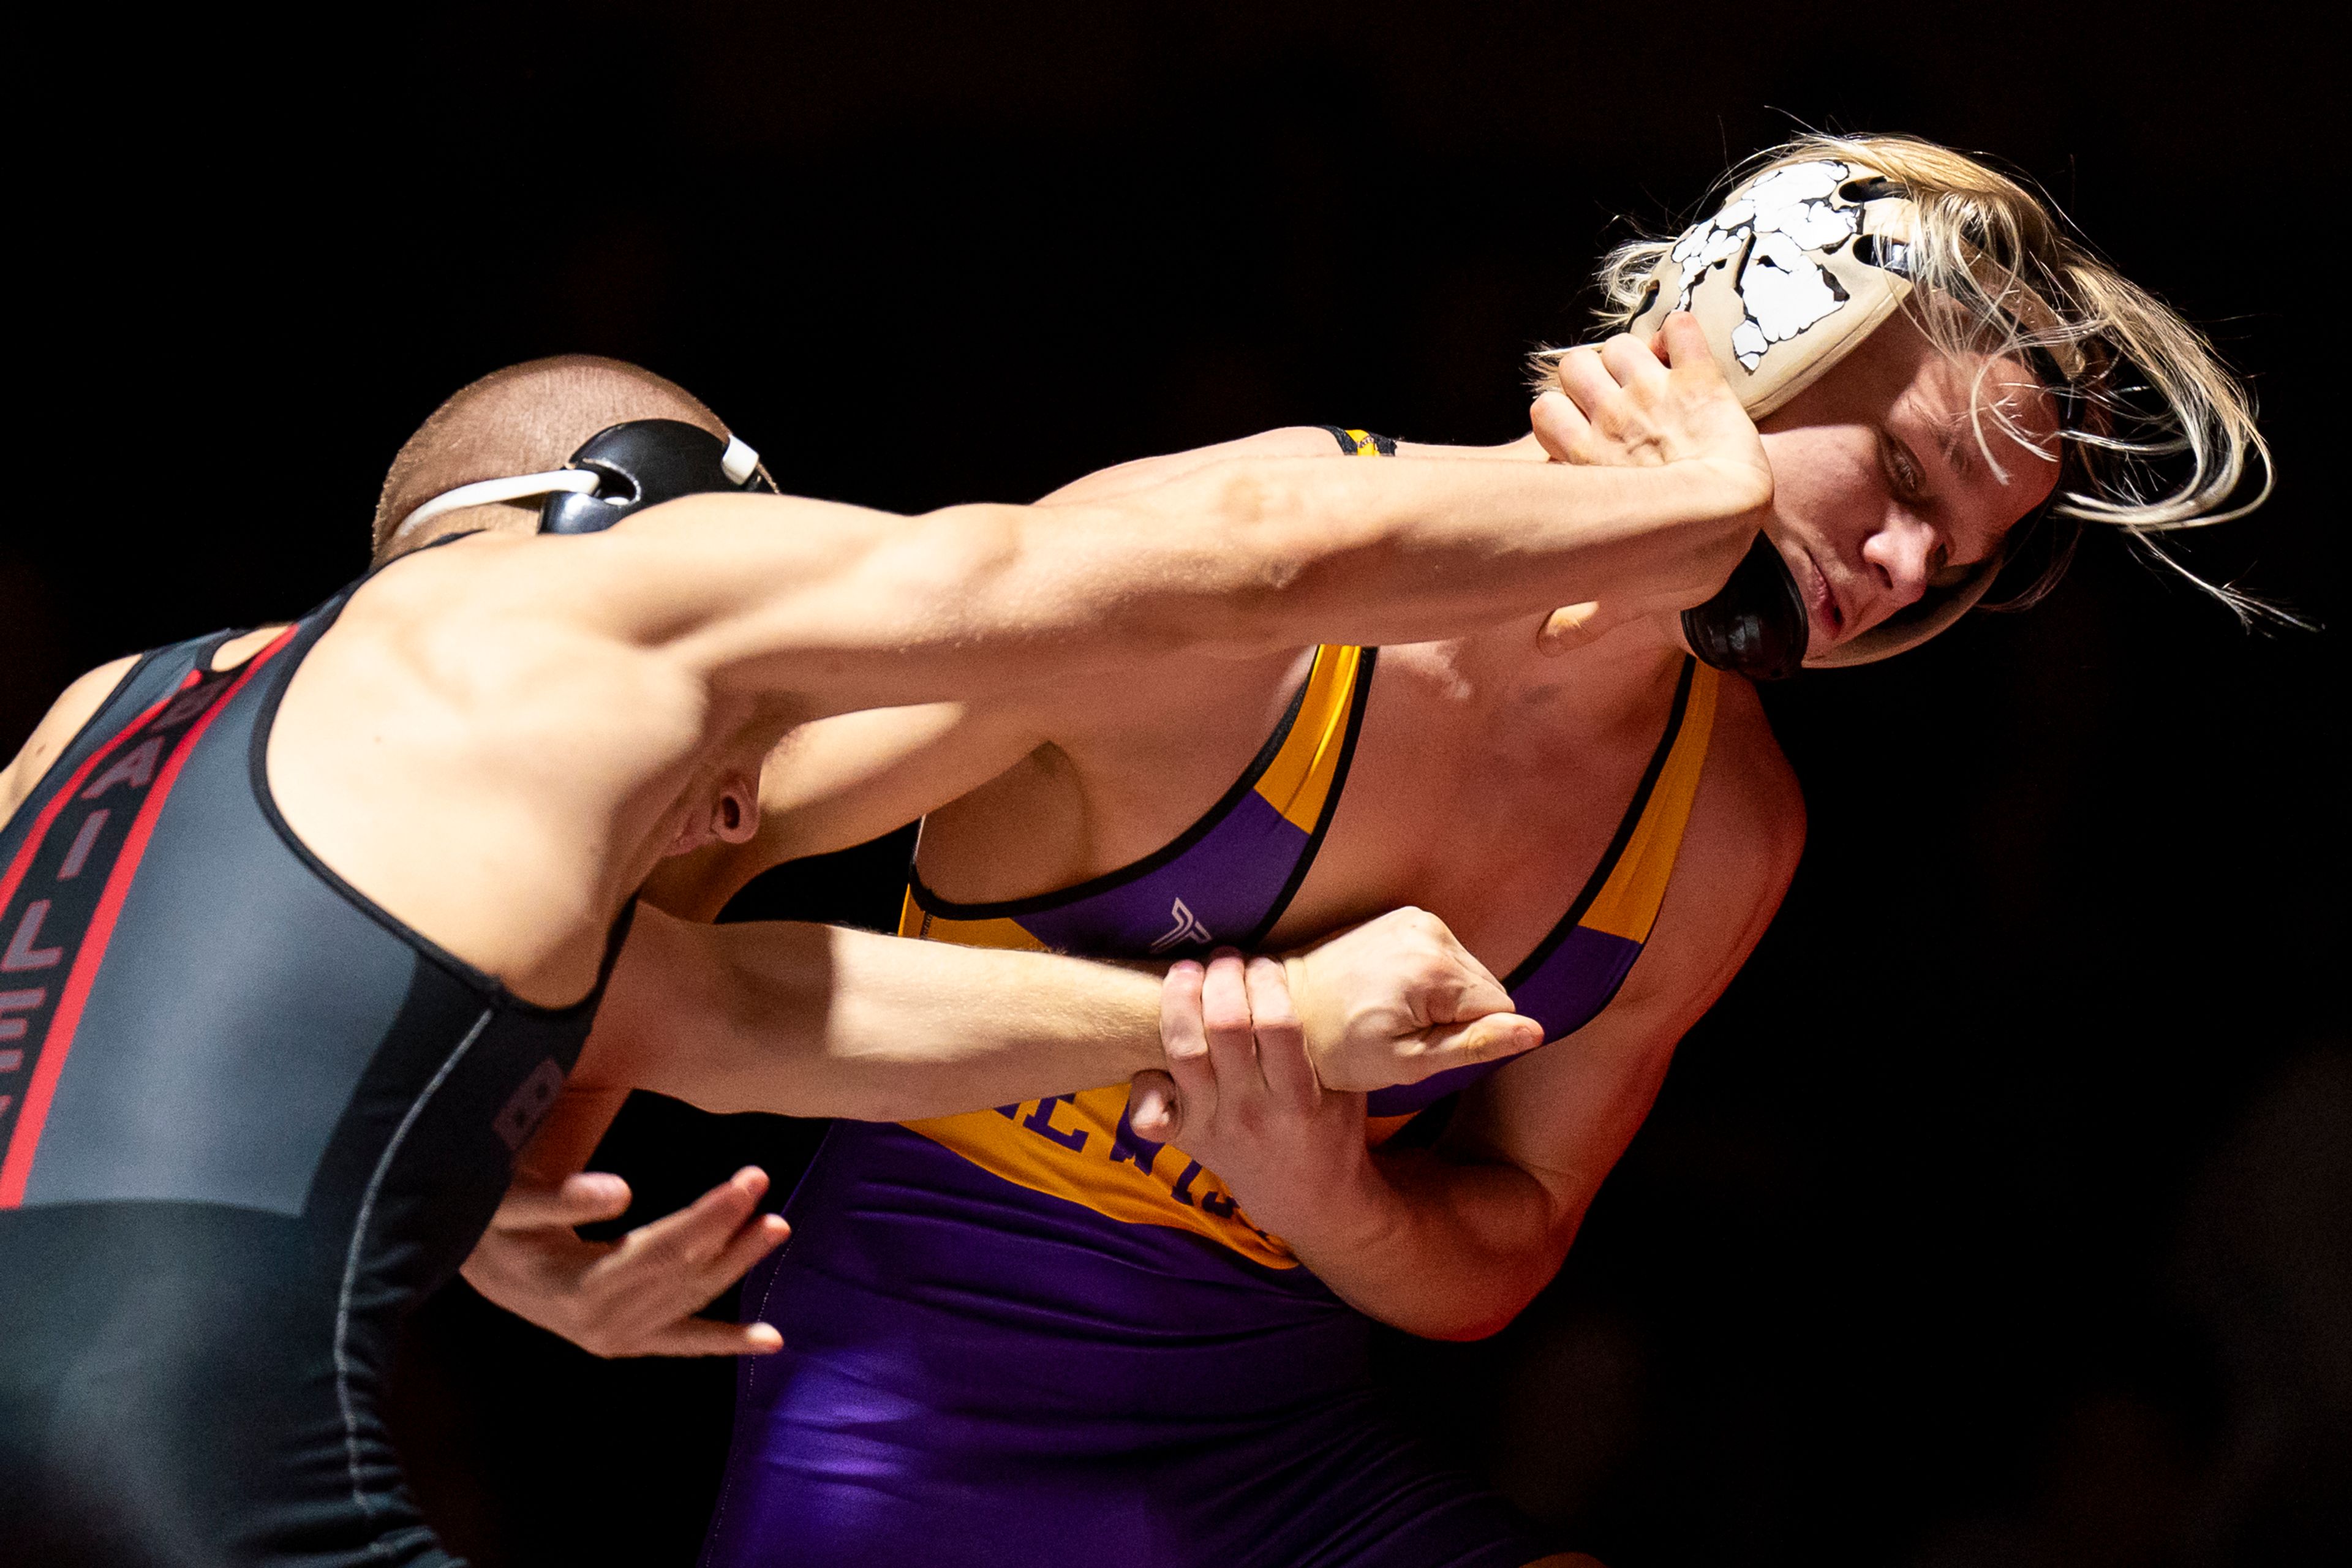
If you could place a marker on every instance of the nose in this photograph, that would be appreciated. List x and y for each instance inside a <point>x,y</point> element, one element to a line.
<point>1899,552</point>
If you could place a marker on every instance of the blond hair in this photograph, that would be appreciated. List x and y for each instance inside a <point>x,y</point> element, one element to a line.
<point>2152,392</point>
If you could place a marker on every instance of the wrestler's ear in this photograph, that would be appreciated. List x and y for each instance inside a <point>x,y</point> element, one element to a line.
<point>730,817</point>
<point>735,815</point>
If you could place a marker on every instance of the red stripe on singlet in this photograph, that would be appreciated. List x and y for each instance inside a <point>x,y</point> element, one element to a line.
<point>18,1168</point>
<point>41,824</point>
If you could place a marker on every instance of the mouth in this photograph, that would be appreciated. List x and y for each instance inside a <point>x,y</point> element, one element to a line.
<point>1822,602</point>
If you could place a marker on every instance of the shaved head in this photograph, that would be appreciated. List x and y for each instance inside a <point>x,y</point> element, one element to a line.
<point>525,419</point>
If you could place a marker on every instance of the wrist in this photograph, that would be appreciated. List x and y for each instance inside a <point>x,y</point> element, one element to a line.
<point>1723,490</point>
<point>1319,1038</point>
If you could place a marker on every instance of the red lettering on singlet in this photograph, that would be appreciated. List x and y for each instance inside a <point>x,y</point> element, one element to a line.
<point>76,926</point>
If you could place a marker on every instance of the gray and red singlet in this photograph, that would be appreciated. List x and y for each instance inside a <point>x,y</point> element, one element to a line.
<point>246,1120</point>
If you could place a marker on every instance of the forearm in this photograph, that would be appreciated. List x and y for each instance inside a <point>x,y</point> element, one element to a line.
<point>1401,551</point>
<point>1446,1250</point>
<point>818,1021</point>
<point>848,609</point>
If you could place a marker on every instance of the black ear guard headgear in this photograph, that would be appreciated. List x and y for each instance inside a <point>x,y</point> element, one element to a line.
<point>620,469</point>
<point>645,463</point>
<point>1799,265</point>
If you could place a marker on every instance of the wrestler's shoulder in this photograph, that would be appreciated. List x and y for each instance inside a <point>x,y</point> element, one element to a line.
<point>1748,784</point>
<point>73,709</point>
<point>1747,828</point>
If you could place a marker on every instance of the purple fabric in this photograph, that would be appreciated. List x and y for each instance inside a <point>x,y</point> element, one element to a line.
<point>982,1373</point>
<point>1563,994</point>
<point>1227,881</point>
<point>986,1374</point>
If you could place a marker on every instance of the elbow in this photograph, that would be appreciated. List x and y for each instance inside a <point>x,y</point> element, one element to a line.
<point>1511,1286</point>
<point>1485,1319</point>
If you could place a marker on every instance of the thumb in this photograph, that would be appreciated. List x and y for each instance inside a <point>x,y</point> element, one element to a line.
<point>1496,1037</point>
<point>1574,627</point>
<point>1685,341</point>
<point>580,1199</point>
<point>1153,1108</point>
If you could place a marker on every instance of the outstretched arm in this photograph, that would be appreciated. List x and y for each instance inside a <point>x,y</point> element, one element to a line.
<point>819,1021</point>
<point>851,777</point>
<point>1394,1000</point>
<point>841,608</point>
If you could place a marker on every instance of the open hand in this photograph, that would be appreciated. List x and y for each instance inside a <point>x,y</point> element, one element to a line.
<point>636,1296</point>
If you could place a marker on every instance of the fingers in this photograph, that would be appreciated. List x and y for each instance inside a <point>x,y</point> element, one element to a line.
<point>766,1233</point>
<point>1686,345</point>
<point>1630,360</point>
<point>1225,1017</point>
<point>581,1199</point>
<point>1154,1110</point>
<point>1492,1039</point>
<point>1574,627</point>
<point>696,1235</point>
<point>1184,1035</point>
<point>1559,426</point>
<point>1281,1038</point>
<point>702,1336</point>
<point>1586,379</point>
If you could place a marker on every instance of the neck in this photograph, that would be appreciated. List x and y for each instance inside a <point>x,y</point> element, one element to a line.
<point>1620,676</point>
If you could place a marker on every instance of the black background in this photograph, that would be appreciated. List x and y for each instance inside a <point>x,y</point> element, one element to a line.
<point>2001,1214</point>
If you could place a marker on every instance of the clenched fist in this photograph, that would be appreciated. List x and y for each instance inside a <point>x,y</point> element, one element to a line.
<point>1392,1001</point>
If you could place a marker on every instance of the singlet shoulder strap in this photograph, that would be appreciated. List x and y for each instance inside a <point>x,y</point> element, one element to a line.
<point>1360,443</point>
<point>1621,896</point>
<point>1229,875</point>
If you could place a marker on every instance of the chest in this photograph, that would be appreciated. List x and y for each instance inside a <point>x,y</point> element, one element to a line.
<point>1492,814</point>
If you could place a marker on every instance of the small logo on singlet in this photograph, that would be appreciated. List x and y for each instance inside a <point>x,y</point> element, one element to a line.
<point>519,1117</point>
<point>1188,931</point>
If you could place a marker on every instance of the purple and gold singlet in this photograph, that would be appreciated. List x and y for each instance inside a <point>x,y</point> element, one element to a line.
<point>1027,1335</point>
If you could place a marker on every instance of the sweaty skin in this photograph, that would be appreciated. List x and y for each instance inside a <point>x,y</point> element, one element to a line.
<point>1524,746</point>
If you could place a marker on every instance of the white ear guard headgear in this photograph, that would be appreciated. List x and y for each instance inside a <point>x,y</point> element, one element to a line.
<point>1800,265</point>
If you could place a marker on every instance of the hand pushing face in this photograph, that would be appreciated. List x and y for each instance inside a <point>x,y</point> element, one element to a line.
<point>1628,403</point>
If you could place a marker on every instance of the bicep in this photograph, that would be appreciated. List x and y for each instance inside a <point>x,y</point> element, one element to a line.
<point>1565,1113</point>
<point>73,709</point>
